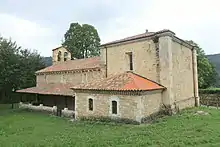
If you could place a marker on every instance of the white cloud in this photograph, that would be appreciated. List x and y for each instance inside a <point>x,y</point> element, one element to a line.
<point>197,20</point>
<point>27,34</point>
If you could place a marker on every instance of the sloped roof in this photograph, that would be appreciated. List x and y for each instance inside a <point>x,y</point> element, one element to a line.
<point>127,81</point>
<point>138,36</point>
<point>79,64</point>
<point>57,48</point>
<point>50,89</point>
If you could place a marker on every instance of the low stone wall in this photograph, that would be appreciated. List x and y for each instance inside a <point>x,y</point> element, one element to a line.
<point>210,99</point>
<point>53,110</point>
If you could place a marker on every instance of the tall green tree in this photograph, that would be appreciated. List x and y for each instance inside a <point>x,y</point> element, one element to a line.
<point>82,40</point>
<point>18,68</point>
<point>207,74</point>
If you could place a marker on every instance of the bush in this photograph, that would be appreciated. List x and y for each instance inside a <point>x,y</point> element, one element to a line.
<point>109,120</point>
<point>210,91</point>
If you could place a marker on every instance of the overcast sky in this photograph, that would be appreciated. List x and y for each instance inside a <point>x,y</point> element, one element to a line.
<point>41,24</point>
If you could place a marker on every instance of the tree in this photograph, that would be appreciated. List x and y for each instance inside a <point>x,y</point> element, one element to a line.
<point>29,63</point>
<point>82,41</point>
<point>18,68</point>
<point>207,74</point>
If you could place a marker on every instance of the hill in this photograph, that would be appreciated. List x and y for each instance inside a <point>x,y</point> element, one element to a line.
<point>47,61</point>
<point>215,59</point>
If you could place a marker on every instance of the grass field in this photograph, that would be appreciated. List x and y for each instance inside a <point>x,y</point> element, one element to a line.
<point>21,129</point>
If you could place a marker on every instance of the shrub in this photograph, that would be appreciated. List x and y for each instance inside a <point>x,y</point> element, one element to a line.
<point>109,120</point>
<point>210,91</point>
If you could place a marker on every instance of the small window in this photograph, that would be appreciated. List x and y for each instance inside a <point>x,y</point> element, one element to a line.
<point>91,104</point>
<point>114,107</point>
<point>59,56</point>
<point>65,56</point>
<point>130,57</point>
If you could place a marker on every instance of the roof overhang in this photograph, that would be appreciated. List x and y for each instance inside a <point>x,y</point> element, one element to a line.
<point>50,89</point>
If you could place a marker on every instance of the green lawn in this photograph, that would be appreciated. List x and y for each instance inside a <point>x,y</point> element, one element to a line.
<point>21,129</point>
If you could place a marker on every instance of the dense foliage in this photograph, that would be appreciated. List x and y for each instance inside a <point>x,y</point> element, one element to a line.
<point>18,68</point>
<point>207,74</point>
<point>82,41</point>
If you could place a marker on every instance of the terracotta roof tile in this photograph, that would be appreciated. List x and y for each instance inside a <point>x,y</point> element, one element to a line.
<point>50,89</point>
<point>79,64</point>
<point>122,82</point>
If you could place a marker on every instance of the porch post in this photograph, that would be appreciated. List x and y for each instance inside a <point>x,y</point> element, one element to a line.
<point>21,95</point>
<point>55,101</point>
<point>65,102</point>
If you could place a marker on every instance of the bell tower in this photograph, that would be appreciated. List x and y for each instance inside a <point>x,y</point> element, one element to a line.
<point>61,54</point>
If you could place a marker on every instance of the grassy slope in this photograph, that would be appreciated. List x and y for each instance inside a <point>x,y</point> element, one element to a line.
<point>19,128</point>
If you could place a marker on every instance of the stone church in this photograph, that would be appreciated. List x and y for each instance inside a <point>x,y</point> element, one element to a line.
<point>132,78</point>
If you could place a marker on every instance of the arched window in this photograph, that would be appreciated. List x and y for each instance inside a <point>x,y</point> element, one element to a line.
<point>114,107</point>
<point>91,104</point>
<point>59,56</point>
<point>65,56</point>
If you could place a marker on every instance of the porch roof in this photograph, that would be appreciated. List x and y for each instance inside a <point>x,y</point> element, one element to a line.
<point>50,89</point>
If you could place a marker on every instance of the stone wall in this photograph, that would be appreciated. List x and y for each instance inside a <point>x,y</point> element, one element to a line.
<point>52,110</point>
<point>127,105</point>
<point>183,87</point>
<point>176,72</point>
<point>182,72</point>
<point>152,103</point>
<point>40,79</point>
<point>185,103</point>
<point>73,78</point>
<point>131,107</point>
<point>144,58</point>
<point>209,99</point>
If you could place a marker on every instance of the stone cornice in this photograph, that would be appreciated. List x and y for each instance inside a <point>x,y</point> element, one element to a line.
<point>116,92</point>
<point>69,71</point>
<point>182,42</point>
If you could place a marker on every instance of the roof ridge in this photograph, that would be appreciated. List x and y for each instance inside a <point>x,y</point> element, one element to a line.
<point>137,36</point>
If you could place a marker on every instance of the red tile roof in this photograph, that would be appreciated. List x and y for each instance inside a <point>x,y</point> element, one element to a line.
<point>146,34</point>
<point>50,89</point>
<point>71,65</point>
<point>128,81</point>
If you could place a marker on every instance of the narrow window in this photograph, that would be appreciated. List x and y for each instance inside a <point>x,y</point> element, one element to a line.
<point>91,104</point>
<point>59,56</point>
<point>131,61</point>
<point>130,58</point>
<point>65,56</point>
<point>114,107</point>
